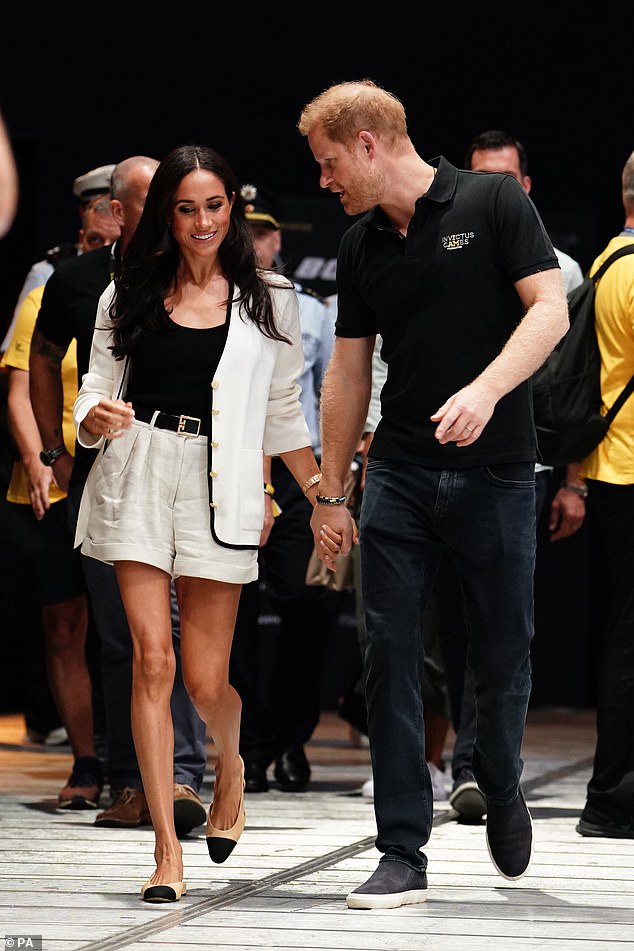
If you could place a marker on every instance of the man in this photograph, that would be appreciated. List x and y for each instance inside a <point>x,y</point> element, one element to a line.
<point>89,189</point>
<point>68,311</point>
<point>457,274</point>
<point>609,472</point>
<point>279,718</point>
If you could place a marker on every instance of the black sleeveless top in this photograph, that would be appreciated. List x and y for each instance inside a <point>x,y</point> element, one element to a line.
<point>170,370</point>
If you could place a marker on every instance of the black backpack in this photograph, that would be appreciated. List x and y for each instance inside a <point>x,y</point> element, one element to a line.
<point>567,387</point>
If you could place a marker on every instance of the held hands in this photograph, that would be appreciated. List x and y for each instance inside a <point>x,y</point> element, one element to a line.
<point>109,418</point>
<point>464,415</point>
<point>335,537</point>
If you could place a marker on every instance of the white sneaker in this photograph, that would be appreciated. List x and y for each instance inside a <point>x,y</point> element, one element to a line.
<point>437,782</point>
<point>57,737</point>
<point>367,790</point>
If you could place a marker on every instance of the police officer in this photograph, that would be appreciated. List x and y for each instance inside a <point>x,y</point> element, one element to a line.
<point>280,715</point>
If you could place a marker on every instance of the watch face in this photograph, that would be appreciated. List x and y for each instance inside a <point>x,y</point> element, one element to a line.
<point>48,456</point>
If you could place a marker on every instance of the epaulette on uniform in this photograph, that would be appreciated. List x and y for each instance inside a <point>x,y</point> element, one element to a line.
<point>312,293</point>
<point>60,252</point>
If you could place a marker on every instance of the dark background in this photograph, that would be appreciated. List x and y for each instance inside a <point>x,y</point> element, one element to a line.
<point>89,84</point>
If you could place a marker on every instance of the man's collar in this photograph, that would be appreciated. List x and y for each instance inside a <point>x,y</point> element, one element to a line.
<point>441,190</point>
<point>443,187</point>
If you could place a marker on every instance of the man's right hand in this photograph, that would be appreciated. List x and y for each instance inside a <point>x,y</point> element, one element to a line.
<point>62,469</point>
<point>40,478</point>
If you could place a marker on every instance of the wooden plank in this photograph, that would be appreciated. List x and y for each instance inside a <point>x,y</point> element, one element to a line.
<point>285,885</point>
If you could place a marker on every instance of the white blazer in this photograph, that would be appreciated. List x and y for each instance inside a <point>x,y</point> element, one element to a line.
<point>255,410</point>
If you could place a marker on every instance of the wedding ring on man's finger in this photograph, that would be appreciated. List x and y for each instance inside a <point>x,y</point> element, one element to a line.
<point>469,428</point>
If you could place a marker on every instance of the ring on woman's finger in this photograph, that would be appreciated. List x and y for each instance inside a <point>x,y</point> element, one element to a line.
<point>469,428</point>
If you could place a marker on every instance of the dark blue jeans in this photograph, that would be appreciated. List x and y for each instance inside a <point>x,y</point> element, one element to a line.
<point>485,517</point>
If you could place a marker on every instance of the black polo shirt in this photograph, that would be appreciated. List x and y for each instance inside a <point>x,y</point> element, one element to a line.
<point>444,302</point>
<point>68,311</point>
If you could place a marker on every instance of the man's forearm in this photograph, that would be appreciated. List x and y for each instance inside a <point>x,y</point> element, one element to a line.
<point>343,414</point>
<point>535,337</point>
<point>46,390</point>
<point>22,425</point>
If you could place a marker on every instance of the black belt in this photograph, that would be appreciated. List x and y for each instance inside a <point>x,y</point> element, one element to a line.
<point>182,425</point>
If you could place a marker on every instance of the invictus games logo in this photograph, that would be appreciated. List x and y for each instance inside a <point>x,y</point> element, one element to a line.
<point>451,242</point>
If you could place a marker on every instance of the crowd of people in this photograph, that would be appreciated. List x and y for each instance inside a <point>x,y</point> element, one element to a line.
<point>184,420</point>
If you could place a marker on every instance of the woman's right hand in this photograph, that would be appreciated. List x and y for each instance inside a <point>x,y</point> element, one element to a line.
<point>109,418</point>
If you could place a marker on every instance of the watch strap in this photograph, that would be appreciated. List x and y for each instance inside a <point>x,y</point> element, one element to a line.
<point>48,456</point>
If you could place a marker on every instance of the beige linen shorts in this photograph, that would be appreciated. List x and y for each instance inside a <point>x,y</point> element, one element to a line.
<point>151,504</point>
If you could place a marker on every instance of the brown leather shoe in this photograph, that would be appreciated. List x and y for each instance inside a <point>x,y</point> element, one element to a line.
<point>128,809</point>
<point>189,811</point>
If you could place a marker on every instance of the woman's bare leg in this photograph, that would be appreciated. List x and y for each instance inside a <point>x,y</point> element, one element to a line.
<point>145,592</point>
<point>208,614</point>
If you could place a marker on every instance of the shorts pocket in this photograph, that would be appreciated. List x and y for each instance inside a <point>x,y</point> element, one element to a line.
<point>117,479</point>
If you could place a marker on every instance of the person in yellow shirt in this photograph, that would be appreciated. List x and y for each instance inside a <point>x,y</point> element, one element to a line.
<point>609,475</point>
<point>40,527</point>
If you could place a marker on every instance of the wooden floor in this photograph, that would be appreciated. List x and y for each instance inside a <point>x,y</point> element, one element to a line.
<point>284,886</point>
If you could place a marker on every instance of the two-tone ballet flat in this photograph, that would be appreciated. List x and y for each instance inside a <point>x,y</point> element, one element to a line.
<point>162,893</point>
<point>222,842</point>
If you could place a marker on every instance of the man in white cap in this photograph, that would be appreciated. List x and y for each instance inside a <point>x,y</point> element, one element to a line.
<point>93,183</point>
<point>86,188</point>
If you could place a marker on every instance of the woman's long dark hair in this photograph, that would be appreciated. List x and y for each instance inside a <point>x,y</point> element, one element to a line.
<point>149,265</point>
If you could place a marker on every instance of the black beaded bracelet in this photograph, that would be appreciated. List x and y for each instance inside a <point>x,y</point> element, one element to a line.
<point>331,499</point>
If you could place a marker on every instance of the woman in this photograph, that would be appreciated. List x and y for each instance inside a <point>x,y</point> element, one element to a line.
<point>193,377</point>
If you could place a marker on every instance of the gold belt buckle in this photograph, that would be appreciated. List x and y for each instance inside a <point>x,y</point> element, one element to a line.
<point>182,422</point>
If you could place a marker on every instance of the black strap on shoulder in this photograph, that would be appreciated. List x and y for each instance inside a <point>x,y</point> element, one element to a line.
<point>629,387</point>
<point>625,393</point>
<point>619,253</point>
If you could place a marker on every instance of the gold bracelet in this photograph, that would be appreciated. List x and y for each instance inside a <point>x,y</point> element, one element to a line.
<point>268,489</point>
<point>310,482</point>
